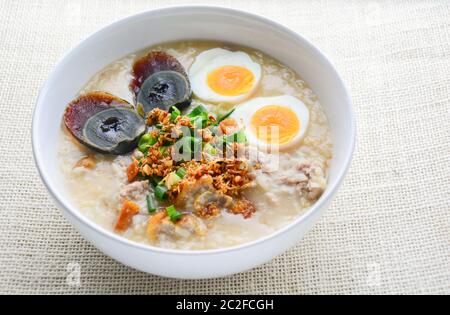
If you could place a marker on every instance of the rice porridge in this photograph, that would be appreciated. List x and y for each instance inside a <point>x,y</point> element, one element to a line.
<point>224,95</point>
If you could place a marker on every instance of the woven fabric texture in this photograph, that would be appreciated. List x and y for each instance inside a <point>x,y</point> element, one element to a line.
<point>388,229</point>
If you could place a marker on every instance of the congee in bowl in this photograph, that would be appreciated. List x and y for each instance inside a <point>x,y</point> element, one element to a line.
<point>195,145</point>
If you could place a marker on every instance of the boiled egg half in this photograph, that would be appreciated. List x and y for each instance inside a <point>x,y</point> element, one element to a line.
<point>273,122</point>
<point>218,75</point>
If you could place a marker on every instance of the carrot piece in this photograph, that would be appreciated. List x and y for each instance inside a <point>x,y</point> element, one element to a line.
<point>128,211</point>
<point>133,170</point>
<point>228,126</point>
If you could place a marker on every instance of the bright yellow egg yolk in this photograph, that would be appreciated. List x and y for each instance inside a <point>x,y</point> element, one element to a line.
<point>231,80</point>
<point>275,124</point>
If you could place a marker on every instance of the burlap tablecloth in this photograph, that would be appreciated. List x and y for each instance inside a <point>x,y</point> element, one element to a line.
<point>388,229</point>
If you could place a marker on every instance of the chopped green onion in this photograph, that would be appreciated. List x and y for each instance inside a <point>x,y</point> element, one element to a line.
<point>174,114</point>
<point>159,126</point>
<point>200,122</point>
<point>171,179</point>
<point>199,117</point>
<point>174,215</point>
<point>161,192</point>
<point>144,148</point>
<point>167,143</point>
<point>238,137</point>
<point>181,172</point>
<point>148,138</point>
<point>151,205</point>
<point>144,138</point>
<point>163,150</point>
<point>156,180</point>
<point>145,142</point>
<point>208,148</point>
<point>221,118</point>
<point>197,111</point>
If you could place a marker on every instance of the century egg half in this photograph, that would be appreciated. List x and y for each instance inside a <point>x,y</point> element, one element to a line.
<point>104,122</point>
<point>160,81</point>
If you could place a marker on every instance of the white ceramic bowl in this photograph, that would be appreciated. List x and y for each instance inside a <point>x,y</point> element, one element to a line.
<point>181,23</point>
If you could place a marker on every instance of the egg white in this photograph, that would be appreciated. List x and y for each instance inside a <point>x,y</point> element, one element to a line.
<point>244,112</point>
<point>212,59</point>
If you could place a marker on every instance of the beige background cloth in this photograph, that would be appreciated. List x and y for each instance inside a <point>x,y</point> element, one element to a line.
<point>388,229</point>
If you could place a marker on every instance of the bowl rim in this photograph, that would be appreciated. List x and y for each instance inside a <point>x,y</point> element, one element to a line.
<point>76,214</point>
